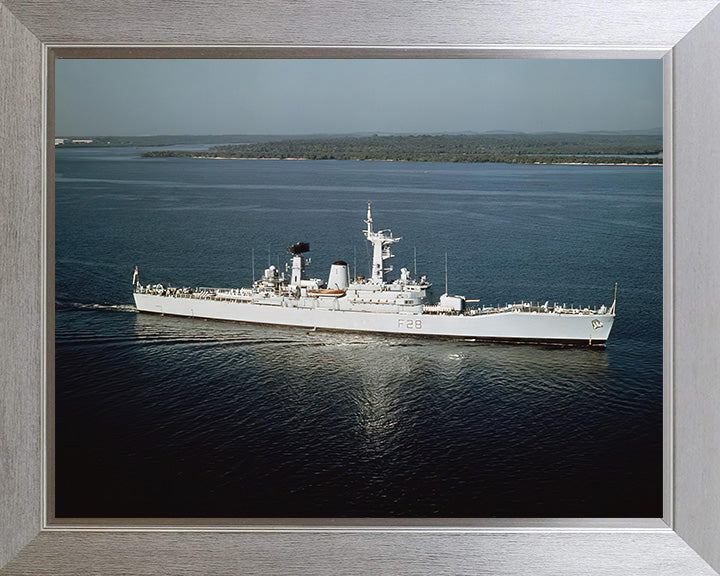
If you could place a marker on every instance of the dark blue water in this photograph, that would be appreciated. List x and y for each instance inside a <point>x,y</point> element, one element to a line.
<point>172,417</point>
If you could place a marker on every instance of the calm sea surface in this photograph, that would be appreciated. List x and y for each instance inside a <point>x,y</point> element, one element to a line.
<point>171,417</point>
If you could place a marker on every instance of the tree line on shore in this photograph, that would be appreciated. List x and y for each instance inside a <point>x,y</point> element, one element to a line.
<point>509,148</point>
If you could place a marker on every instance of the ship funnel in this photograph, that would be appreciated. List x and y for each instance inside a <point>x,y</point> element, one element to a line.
<point>339,276</point>
<point>298,262</point>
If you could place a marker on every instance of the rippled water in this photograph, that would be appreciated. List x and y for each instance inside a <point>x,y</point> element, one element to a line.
<point>176,417</point>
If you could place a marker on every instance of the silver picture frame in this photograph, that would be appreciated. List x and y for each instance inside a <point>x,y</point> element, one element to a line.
<point>684,33</point>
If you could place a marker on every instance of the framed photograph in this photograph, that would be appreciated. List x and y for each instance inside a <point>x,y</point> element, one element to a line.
<point>459,396</point>
<point>661,525</point>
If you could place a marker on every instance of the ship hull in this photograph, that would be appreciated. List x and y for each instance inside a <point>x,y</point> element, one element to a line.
<point>514,326</point>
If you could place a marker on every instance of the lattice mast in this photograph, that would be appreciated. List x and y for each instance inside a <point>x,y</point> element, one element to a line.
<point>381,242</point>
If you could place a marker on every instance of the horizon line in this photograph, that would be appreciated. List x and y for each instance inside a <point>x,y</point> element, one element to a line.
<point>631,131</point>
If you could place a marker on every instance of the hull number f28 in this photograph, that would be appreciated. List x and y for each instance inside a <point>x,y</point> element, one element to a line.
<point>409,324</point>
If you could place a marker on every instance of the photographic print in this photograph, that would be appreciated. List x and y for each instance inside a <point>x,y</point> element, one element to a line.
<point>358,288</point>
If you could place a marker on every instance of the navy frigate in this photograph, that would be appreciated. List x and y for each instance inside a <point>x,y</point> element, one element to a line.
<point>376,304</point>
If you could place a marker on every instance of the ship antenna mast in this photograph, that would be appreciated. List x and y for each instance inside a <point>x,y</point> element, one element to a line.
<point>446,275</point>
<point>612,308</point>
<point>381,241</point>
<point>253,264</point>
<point>369,220</point>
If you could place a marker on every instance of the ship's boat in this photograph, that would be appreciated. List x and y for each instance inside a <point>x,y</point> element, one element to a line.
<point>326,292</point>
<point>376,304</point>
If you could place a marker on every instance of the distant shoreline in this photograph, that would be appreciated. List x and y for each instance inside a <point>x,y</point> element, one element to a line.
<point>587,149</point>
<point>415,161</point>
<point>604,163</point>
<point>583,149</point>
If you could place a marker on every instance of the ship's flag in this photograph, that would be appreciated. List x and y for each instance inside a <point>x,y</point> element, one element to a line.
<point>135,275</point>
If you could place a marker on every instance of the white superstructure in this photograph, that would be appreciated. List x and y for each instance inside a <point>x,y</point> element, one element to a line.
<point>375,305</point>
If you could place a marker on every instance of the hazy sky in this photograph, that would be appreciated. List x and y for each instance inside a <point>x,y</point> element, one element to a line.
<point>142,97</point>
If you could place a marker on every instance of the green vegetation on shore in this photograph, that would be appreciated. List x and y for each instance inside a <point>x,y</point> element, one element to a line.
<point>508,148</point>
